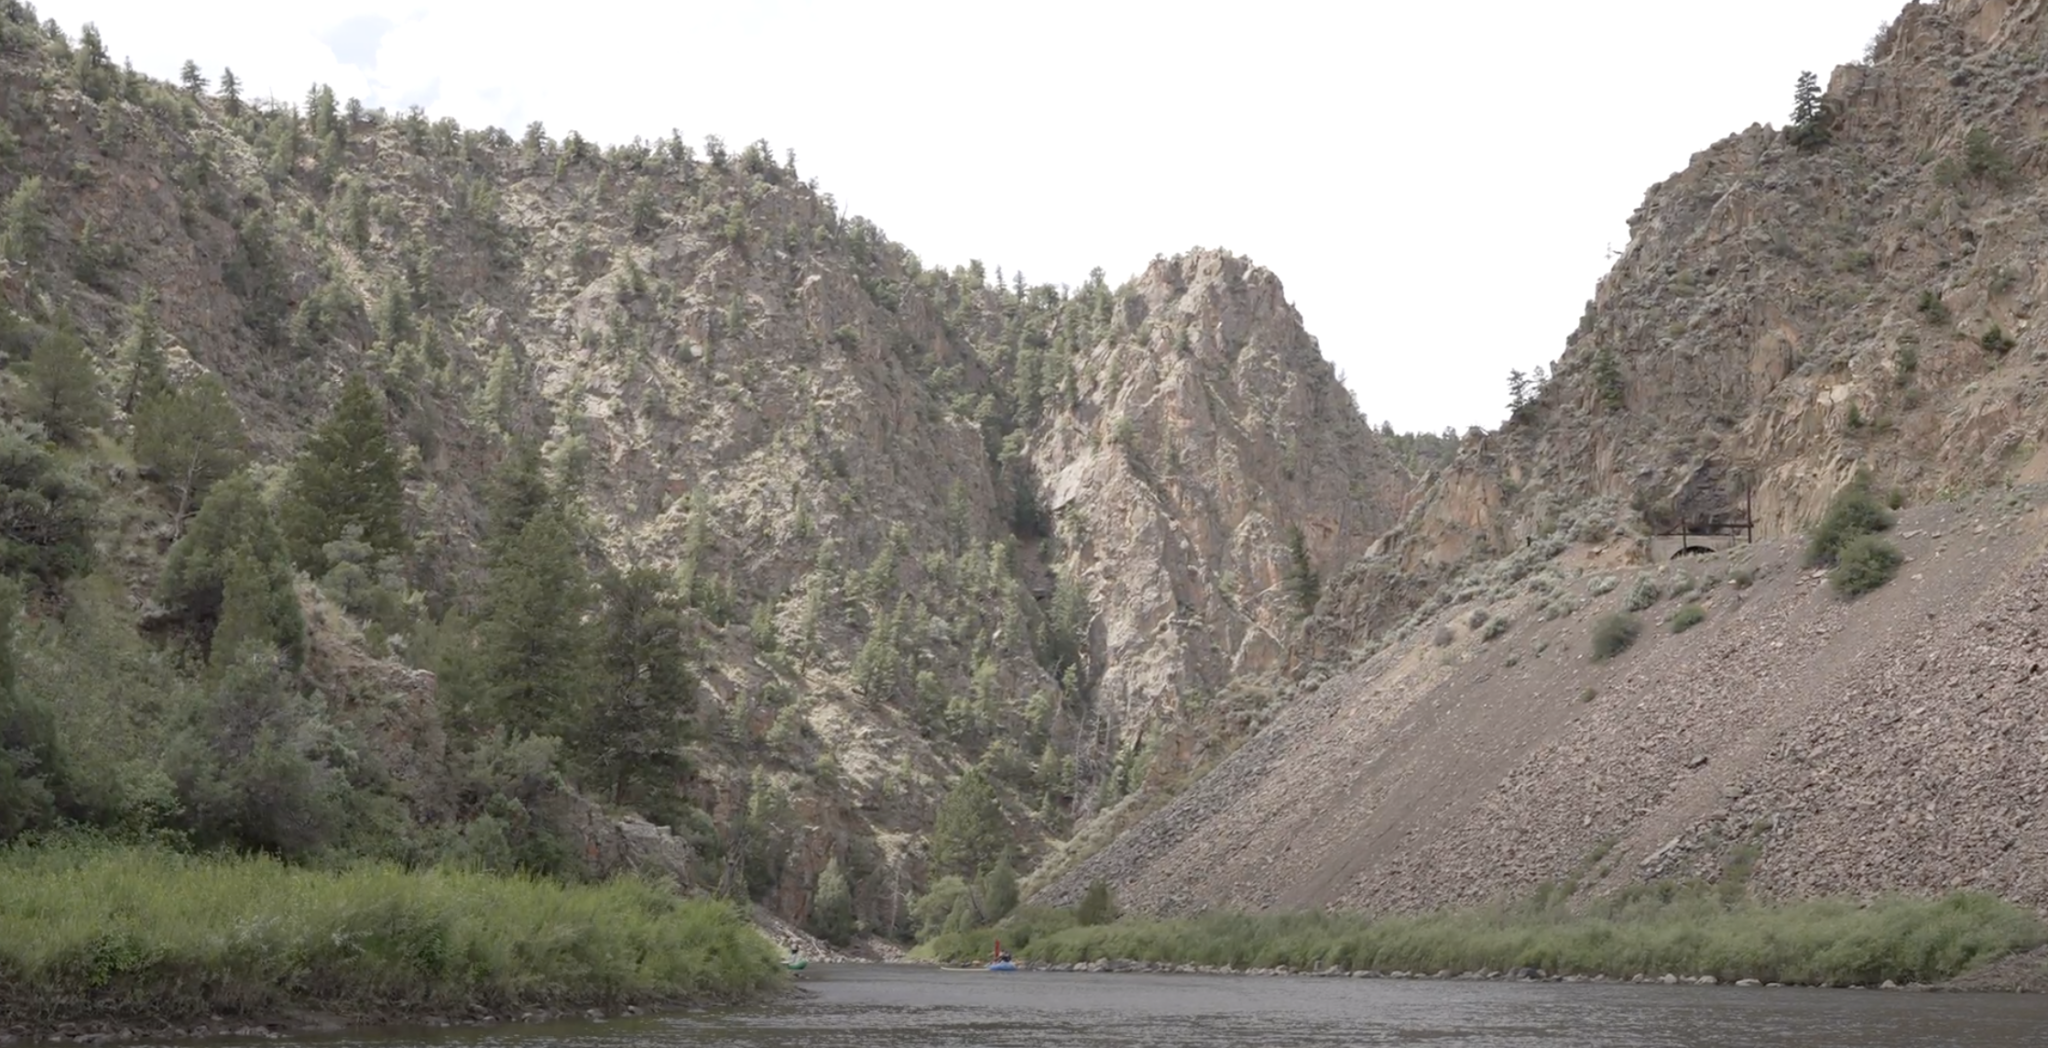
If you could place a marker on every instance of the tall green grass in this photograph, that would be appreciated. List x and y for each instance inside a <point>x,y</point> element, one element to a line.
<point>96,931</point>
<point>1819,942</point>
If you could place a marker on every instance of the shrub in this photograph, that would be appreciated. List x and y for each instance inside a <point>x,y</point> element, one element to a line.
<point>1854,511</point>
<point>1477,618</point>
<point>1643,594</point>
<point>1687,617</point>
<point>1996,341</point>
<point>1933,310</point>
<point>1613,634</point>
<point>1496,629</point>
<point>1865,564</point>
<point>1743,578</point>
<point>1097,907</point>
<point>1443,636</point>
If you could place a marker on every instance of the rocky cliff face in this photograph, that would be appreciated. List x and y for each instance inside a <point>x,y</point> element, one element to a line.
<point>1784,315</point>
<point>1052,516</point>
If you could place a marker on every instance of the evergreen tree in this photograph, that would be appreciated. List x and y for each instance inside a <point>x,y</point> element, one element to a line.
<point>536,656</point>
<point>1807,130</point>
<point>969,835</point>
<point>189,77</point>
<point>148,370</point>
<point>92,67</point>
<point>1607,379</point>
<point>518,490</point>
<point>241,768</point>
<point>63,387</point>
<point>832,906</point>
<point>46,512</point>
<point>1302,579</point>
<point>190,437</point>
<point>347,475</point>
<point>259,611</point>
<point>230,92</point>
<point>1518,391</point>
<point>999,891</point>
<point>640,715</point>
<point>22,223</point>
<point>29,759</point>
<point>233,528</point>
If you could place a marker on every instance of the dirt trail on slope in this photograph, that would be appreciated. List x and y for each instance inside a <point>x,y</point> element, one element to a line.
<point>1895,742</point>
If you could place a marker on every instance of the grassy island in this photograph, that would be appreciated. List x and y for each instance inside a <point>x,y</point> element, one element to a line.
<point>1821,942</point>
<point>150,936</point>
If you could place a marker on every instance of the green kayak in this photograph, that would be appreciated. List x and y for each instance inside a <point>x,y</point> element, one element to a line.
<point>796,964</point>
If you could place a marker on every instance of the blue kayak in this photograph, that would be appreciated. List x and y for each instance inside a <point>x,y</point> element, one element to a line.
<point>1003,966</point>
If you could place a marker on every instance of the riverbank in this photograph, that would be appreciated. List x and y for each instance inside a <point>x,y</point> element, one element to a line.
<point>98,941</point>
<point>1692,938</point>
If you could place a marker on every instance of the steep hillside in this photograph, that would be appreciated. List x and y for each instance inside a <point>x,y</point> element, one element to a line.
<point>1791,740</point>
<point>907,519</point>
<point>1854,292</point>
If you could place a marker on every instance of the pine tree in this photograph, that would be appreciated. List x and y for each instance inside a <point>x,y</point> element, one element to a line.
<point>22,223</point>
<point>1607,378</point>
<point>1518,391</point>
<point>259,612</point>
<point>518,490</point>
<point>190,437</point>
<point>148,372</point>
<point>832,906</point>
<point>1302,580</point>
<point>1807,130</point>
<point>969,836</point>
<point>63,387</point>
<point>536,656</point>
<point>347,475</point>
<point>190,78</point>
<point>640,716</point>
<point>230,92</point>
<point>233,527</point>
<point>91,65</point>
<point>47,512</point>
<point>999,891</point>
<point>30,762</point>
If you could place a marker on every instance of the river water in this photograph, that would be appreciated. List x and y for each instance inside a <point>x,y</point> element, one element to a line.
<point>856,1006</point>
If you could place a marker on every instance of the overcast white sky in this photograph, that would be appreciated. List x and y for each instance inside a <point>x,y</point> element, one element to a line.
<point>1436,183</point>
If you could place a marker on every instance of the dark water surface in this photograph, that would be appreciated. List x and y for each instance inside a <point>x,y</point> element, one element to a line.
<point>861,1005</point>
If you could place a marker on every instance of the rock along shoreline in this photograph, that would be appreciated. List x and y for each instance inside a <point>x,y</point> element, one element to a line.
<point>2019,973</point>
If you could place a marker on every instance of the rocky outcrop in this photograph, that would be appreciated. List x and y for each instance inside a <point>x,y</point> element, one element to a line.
<point>1201,440</point>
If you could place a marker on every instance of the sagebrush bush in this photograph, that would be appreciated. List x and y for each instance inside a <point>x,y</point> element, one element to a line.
<point>1854,511</point>
<point>1613,634</point>
<point>1687,617</point>
<point>1496,629</point>
<point>1865,564</point>
<point>1643,595</point>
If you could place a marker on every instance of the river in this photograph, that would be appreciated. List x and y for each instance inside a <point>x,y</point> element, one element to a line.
<point>905,1007</point>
